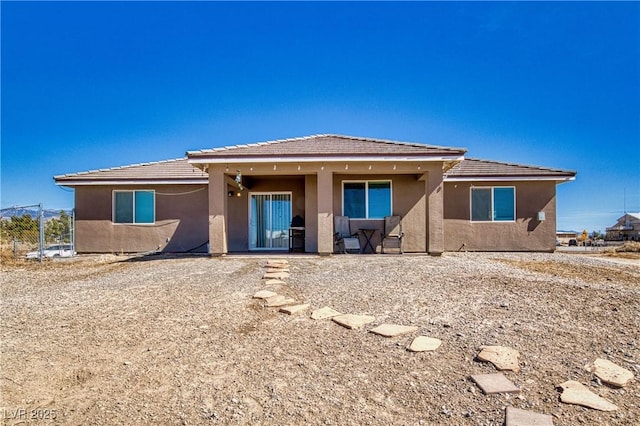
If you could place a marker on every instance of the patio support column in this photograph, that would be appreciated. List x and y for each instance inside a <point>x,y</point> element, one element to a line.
<point>217,213</point>
<point>435,211</point>
<point>325,212</point>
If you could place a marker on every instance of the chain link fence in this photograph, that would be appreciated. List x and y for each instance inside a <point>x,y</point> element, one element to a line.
<point>35,233</point>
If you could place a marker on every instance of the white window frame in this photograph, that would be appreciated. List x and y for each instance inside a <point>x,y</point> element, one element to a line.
<point>366,196</point>
<point>113,207</point>
<point>493,209</point>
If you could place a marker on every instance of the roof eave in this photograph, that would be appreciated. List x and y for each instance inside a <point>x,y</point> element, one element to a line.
<point>117,182</point>
<point>559,179</point>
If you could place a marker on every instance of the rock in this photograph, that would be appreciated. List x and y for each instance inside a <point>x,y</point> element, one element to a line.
<point>274,282</point>
<point>323,313</point>
<point>278,300</point>
<point>494,383</point>
<point>424,343</point>
<point>290,310</point>
<point>393,330</point>
<point>276,275</point>
<point>264,294</point>
<point>276,270</point>
<point>609,372</point>
<point>502,357</point>
<point>518,417</point>
<point>277,263</point>
<point>353,321</point>
<point>576,393</point>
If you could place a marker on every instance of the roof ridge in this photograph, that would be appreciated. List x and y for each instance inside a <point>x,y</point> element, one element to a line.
<point>330,135</point>
<point>149,163</point>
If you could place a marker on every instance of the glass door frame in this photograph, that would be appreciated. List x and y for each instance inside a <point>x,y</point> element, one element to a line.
<point>270,222</point>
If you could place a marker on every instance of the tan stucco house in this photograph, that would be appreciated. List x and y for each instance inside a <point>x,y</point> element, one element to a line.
<point>243,198</point>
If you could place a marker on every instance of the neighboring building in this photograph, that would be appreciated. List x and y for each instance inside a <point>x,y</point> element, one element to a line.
<point>563,237</point>
<point>626,229</point>
<point>243,198</point>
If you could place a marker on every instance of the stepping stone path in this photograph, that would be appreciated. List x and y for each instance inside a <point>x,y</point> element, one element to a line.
<point>351,321</point>
<point>576,393</point>
<point>264,294</point>
<point>324,313</point>
<point>424,343</point>
<point>494,383</point>
<point>277,275</point>
<point>609,372</point>
<point>291,310</point>
<point>392,330</point>
<point>518,417</point>
<point>502,357</point>
<point>279,300</point>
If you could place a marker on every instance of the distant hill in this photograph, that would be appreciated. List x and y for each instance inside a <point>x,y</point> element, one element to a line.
<point>33,212</point>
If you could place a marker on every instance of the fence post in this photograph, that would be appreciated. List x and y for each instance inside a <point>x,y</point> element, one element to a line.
<point>41,231</point>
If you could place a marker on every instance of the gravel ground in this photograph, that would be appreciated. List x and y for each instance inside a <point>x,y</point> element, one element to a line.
<point>180,340</point>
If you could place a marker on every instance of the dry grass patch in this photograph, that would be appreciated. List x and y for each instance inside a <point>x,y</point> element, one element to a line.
<point>573,271</point>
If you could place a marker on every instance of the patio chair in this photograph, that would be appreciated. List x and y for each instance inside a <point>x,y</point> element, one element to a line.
<point>343,238</point>
<point>392,236</point>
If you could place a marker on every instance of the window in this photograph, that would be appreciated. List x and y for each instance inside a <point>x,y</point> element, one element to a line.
<point>496,204</point>
<point>366,199</point>
<point>134,206</point>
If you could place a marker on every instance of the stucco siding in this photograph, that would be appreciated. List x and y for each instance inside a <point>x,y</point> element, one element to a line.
<point>526,233</point>
<point>180,221</point>
<point>408,201</point>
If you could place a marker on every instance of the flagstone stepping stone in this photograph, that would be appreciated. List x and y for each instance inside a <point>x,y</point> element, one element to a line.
<point>274,281</point>
<point>576,393</point>
<point>351,321</point>
<point>264,294</point>
<point>494,383</point>
<point>424,343</point>
<point>277,264</point>
<point>291,310</point>
<point>324,313</point>
<point>278,300</point>
<point>276,270</point>
<point>518,417</point>
<point>276,275</point>
<point>609,372</point>
<point>393,330</point>
<point>502,357</point>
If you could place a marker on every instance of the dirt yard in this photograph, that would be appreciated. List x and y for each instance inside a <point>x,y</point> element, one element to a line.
<point>181,341</point>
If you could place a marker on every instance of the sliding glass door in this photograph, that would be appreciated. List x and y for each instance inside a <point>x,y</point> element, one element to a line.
<point>269,221</point>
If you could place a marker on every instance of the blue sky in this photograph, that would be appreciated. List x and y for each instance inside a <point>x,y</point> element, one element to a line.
<point>89,85</point>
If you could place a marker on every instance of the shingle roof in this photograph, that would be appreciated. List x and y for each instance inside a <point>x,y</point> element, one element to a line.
<point>475,168</point>
<point>168,170</point>
<point>325,146</point>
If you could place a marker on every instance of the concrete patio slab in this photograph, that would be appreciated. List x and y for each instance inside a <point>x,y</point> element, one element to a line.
<point>324,313</point>
<point>518,417</point>
<point>351,321</point>
<point>424,343</point>
<point>494,383</point>
<point>393,330</point>
<point>609,372</point>
<point>502,357</point>
<point>576,393</point>
<point>295,309</point>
